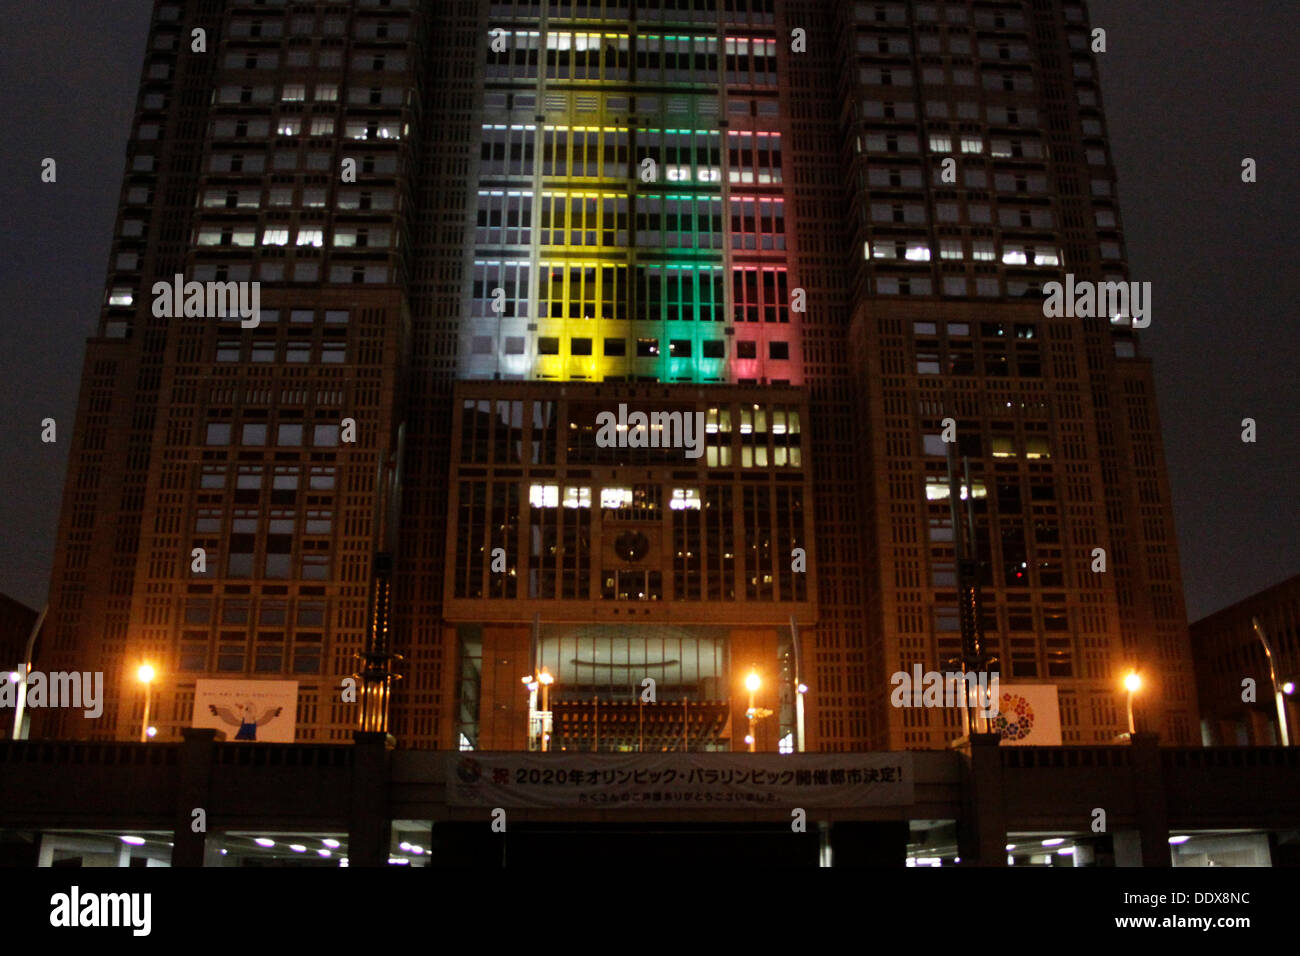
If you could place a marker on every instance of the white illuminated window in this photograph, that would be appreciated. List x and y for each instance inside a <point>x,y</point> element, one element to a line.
<point>918,252</point>
<point>1014,257</point>
<point>311,237</point>
<point>293,92</point>
<point>120,296</point>
<point>972,144</point>
<point>577,497</point>
<point>685,499</point>
<point>615,498</point>
<point>544,496</point>
<point>949,248</point>
<point>275,237</point>
<point>289,127</point>
<point>936,489</point>
<point>981,249</point>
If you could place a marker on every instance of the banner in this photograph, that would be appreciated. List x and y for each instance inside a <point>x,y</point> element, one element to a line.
<point>247,709</point>
<point>679,780</point>
<point>1028,715</point>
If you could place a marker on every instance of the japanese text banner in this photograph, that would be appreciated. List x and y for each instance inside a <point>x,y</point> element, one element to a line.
<point>667,780</point>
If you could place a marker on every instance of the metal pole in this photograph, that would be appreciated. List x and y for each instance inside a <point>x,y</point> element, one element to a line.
<point>750,714</point>
<point>1278,698</point>
<point>798,684</point>
<point>19,733</point>
<point>144,724</point>
<point>546,709</point>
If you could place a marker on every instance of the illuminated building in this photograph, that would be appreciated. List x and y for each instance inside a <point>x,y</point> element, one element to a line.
<point>731,208</point>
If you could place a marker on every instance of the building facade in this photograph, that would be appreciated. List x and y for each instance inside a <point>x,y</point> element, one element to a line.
<point>1229,653</point>
<point>817,228</point>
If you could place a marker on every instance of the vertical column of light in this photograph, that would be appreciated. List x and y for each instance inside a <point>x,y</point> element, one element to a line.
<point>682,253</point>
<point>767,343</point>
<point>582,208</point>
<point>500,300</point>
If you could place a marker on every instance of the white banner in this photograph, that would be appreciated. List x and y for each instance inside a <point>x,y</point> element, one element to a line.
<point>247,709</point>
<point>1028,715</point>
<point>679,780</point>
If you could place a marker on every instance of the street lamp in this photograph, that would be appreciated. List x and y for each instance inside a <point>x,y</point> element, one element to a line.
<point>752,683</point>
<point>532,686</point>
<point>546,680</point>
<point>1272,676</point>
<point>1132,683</point>
<point>145,675</point>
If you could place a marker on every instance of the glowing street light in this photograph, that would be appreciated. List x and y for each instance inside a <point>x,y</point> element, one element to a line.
<point>145,675</point>
<point>1132,683</point>
<point>546,680</point>
<point>1278,691</point>
<point>752,683</point>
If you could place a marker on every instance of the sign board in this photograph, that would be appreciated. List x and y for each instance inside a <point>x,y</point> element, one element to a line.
<point>678,780</point>
<point>1028,715</point>
<point>264,710</point>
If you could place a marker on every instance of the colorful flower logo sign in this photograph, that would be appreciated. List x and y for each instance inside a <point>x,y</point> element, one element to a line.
<point>1015,719</point>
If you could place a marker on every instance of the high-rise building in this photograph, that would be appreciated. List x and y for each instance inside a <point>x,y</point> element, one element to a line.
<point>662,317</point>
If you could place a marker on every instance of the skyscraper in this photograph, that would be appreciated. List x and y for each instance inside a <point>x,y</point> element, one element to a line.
<point>480,231</point>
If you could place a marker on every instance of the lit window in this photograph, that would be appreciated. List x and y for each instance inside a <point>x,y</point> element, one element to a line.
<point>544,496</point>
<point>685,499</point>
<point>577,497</point>
<point>311,237</point>
<point>275,237</point>
<point>936,489</point>
<point>613,498</point>
<point>1003,447</point>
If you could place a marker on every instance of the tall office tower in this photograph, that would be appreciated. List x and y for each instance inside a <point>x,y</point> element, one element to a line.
<point>980,172</point>
<point>657,306</point>
<point>219,509</point>
<point>623,172</point>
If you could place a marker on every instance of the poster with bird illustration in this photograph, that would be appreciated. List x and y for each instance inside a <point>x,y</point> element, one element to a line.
<point>258,710</point>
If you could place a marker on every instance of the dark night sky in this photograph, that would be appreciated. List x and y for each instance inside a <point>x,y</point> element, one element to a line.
<point>1190,89</point>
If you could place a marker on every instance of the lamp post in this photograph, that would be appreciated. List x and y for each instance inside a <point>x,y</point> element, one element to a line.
<point>1272,676</point>
<point>145,675</point>
<point>546,681</point>
<point>532,686</point>
<point>752,684</point>
<point>1132,683</point>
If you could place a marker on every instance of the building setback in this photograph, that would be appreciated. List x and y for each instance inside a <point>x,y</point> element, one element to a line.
<point>477,227</point>
<point>1228,651</point>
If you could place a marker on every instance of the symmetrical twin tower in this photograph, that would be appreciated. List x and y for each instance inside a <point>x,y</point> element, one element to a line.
<point>477,231</point>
